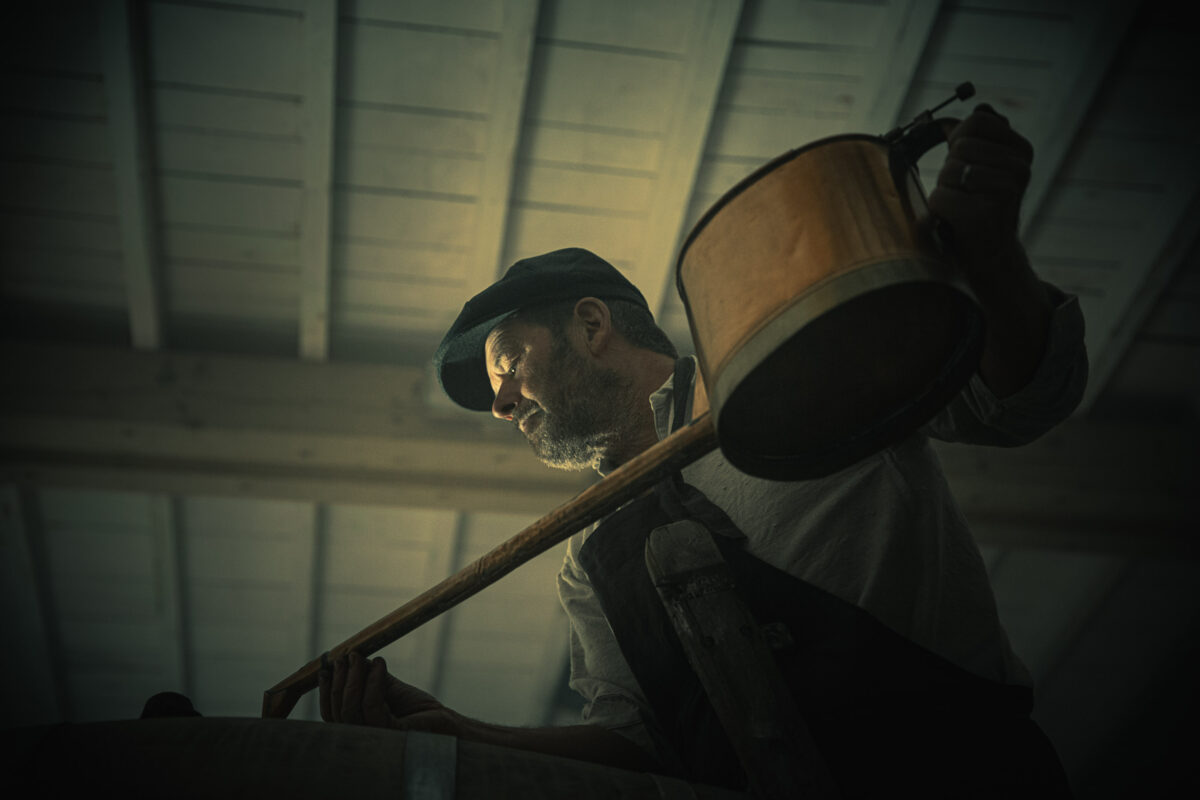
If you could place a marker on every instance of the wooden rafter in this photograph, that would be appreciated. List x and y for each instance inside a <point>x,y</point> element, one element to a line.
<point>1085,485</point>
<point>503,130</point>
<point>320,62</point>
<point>168,544</point>
<point>709,41</point>
<point>1183,244</point>
<point>310,577</point>
<point>124,84</point>
<point>1109,26</point>
<point>1106,584</point>
<point>892,70</point>
<point>35,690</point>
<point>259,427</point>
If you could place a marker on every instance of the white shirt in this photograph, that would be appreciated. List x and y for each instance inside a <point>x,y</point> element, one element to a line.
<point>884,534</point>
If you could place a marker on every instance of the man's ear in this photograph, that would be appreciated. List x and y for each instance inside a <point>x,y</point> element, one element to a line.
<point>596,319</point>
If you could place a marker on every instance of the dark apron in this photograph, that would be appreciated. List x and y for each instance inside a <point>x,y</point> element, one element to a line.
<point>886,714</point>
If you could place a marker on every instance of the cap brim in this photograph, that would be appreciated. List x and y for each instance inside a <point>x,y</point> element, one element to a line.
<point>462,373</point>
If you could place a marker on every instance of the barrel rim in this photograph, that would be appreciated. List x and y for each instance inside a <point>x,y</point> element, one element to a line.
<point>821,298</point>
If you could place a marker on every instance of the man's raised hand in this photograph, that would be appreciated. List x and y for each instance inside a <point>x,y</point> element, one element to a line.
<point>980,187</point>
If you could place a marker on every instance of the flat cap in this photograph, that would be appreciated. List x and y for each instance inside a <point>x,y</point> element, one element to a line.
<point>551,277</point>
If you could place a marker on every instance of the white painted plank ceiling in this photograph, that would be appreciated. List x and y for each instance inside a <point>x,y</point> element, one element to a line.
<point>281,204</point>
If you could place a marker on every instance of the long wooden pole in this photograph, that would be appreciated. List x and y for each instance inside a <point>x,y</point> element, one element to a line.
<point>622,484</point>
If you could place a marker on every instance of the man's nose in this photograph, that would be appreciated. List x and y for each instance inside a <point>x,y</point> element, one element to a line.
<point>505,403</point>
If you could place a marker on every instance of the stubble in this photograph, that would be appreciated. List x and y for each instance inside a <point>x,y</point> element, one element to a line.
<point>586,414</point>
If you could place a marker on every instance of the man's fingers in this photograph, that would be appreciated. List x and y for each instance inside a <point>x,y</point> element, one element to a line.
<point>359,691</point>
<point>324,681</point>
<point>352,691</point>
<point>985,121</point>
<point>993,154</point>
<point>374,703</point>
<point>968,176</point>
<point>991,128</point>
<point>337,689</point>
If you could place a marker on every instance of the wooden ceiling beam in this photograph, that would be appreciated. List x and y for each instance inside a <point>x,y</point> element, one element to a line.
<point>713,26</point>
<point>1131,538</point>
<point>893,67</point>
<point>262,427</point>
<point>172,593</point>
<point>189,424</point>
<point>1109,24</point>
<point>311,579</point>
<point>1184,244</point>
<point>511,77</point>
<point>1085,485</point>
<point>124,50</point>
<point>411,489</point>
<point>35,687</point>
<point>320,78</point>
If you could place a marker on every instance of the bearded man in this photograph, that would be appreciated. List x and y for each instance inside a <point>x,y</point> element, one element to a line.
<point>899,666</point>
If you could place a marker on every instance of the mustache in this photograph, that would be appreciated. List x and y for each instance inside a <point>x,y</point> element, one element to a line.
<point>524,412</point>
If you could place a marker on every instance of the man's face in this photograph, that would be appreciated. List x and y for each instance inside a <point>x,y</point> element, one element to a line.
<point>566,406</point>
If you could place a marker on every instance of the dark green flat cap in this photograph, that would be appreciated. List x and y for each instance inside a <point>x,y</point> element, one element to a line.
<point>551,277</point>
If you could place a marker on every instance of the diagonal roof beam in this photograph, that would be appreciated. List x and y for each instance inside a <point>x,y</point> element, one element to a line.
<point>714,24</point>
<point>1089,615</point>
<point>320,67</point>
<point>500,151</point>
<point>894,65</point>
<point>1110,24</point>
<point>167,536</point>
<point>35,688</point>
<point>320,104</point>
<point>1184,244</point>
<point>310,578</point>
<point>124,85</point>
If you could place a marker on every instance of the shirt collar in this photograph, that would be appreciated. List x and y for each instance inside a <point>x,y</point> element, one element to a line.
<point>662,404</point>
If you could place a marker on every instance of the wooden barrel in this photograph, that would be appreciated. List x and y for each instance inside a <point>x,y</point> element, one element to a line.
<point>826,319</point>
<point>205,757</point>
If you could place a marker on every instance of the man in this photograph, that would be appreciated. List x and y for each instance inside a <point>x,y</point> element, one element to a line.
<point>901,667</point>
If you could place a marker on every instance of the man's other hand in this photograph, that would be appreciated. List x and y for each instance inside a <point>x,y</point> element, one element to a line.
<point>980,187</point>
<point>360,691</point>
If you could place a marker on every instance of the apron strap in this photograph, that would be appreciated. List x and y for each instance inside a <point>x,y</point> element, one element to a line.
<point>680,500</point>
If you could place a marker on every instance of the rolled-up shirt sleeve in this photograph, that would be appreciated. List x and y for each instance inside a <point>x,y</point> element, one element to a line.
<point>977,416</point>
<point>599,673</point>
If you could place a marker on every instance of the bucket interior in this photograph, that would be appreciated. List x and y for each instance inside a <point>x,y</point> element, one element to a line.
<point>851,381</point>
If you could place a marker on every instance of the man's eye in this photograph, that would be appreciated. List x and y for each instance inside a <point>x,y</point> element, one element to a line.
<point>512,366</point>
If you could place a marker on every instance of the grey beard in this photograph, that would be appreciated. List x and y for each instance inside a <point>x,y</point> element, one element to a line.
<point>591,415</point>
<point>562,450</point>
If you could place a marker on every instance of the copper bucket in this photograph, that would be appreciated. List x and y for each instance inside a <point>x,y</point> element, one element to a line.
<point>827,320</point>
